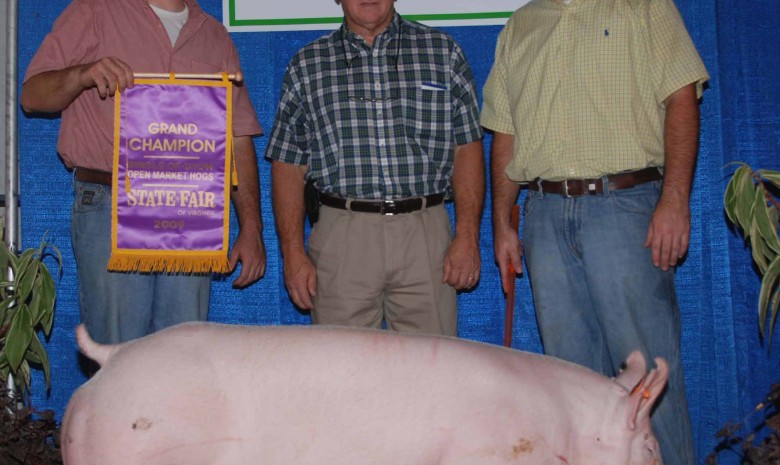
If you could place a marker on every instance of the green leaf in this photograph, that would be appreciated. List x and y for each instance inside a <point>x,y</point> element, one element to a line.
<point>23,262</point>
<point>4,370</point>
<point>762,219</point>
<point>36,313</point>
<point>773,315</point>
<point>757,248</point>
<point>771,176</point>
<point>4,259</point>
<point>23,374</point>
<point>4,313</point>
<point>730,199</point>
<point>746,195</point>
<point>768,283</point>
<point>48,294</point>
<point>19,336</point>
<point>773,216</point>
<point>47,321</point>
<point>10,257</point>
<point>26,280</point>
<point>37,354</point>
<point>735,185</point>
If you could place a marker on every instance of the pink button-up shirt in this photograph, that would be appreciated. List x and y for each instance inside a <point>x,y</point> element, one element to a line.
<point>89,30</point>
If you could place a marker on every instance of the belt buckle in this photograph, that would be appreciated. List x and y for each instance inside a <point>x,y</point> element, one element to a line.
<point>566,189</point>
<point>386,207</point>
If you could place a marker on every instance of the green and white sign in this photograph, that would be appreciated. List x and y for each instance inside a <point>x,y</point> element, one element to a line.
<point>296,15</point>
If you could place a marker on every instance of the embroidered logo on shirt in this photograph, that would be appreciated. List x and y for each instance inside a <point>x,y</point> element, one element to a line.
<point>606,32</point>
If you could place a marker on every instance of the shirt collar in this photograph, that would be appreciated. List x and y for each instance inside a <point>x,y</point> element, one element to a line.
<point>353,43</point>
<point>192,5</point>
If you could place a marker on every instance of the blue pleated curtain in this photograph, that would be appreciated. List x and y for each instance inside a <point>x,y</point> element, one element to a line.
<point>728,370</point>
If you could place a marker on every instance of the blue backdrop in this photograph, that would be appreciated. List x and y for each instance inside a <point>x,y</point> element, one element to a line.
<point>728,370</point>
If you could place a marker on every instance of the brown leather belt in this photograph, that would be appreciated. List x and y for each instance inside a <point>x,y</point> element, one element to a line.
<point>383,207</point>
<point>577,187</point>
<point>93,176</point>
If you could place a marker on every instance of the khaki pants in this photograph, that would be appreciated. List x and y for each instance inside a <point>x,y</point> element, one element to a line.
<point>373,267</point>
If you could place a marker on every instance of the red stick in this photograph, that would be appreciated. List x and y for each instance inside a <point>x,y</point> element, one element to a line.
<point>509,285</point>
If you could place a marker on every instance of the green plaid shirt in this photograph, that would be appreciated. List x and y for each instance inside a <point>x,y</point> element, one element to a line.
<point>381,122</point>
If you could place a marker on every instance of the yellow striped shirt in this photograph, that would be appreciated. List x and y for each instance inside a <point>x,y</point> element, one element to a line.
<point>582,86</point>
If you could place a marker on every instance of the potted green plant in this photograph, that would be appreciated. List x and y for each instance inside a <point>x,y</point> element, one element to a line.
<point>27,295</point>
<point>26,306</point>
<point>751,203</point>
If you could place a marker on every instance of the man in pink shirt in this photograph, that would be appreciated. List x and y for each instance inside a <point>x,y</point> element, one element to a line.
<point>90,54</point>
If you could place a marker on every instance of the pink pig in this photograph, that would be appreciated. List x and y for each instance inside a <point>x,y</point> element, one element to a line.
<point>210,394</point>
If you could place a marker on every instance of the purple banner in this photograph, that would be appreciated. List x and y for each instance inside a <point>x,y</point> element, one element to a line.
<point>171,168</point>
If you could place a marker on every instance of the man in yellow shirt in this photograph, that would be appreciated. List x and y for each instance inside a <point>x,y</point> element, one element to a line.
<point>594,104</point>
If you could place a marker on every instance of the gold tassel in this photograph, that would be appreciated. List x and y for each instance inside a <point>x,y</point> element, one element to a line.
<point>167,264</point>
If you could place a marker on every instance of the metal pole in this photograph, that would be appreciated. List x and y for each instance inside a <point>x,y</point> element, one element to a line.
<point>12,148</point>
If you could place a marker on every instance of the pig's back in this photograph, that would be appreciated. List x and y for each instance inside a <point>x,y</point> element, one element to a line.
<point>206,390</point>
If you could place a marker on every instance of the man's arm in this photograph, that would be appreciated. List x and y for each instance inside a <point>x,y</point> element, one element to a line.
<point>249,248</point>
<point>506,245</point>
<point>300,277</point>
<point>670,225</point>
<point>53,91</point>
<point>462,262</point>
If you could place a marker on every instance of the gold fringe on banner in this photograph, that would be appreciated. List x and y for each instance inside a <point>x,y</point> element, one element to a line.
<point>144,263</point>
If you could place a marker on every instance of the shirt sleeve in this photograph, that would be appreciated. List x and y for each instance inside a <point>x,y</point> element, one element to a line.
<point>496,113</point>
<point>72,41</point>
<point>245,121</point>
<point>465,104</point>
<point>290,137</point>
<point>675,59</point>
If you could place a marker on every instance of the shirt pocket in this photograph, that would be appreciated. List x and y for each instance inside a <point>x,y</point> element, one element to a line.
<point>89,198</point>
<point>427,113</point>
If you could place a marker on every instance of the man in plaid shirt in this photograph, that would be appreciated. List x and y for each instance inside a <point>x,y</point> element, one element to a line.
<point>382,117</point>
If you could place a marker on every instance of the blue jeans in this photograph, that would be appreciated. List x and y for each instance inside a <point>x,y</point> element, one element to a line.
<point>117,307</point>
<point>598,296</point>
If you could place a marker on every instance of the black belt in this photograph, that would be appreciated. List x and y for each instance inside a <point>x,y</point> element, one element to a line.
<point>93,176</point>
<point>383,207</point>
<point>577,187</point>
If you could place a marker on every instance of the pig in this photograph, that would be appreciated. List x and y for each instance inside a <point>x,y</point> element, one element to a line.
<point>213,394</point>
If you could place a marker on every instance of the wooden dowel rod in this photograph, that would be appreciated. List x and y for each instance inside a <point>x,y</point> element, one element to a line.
<point>236,77</point>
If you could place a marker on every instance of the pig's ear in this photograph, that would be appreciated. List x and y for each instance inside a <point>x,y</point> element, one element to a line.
<point>635,370</point>
<point>644,396</point>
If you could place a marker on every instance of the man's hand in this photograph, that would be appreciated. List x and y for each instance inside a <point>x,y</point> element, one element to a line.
<point>670,225</point>
<point>669,231</point>
<point>508,251</point>
<point>53,91</point>
<point>300,279</point>
<point>507,248</point>
<point>250,251</point>
<point>109,75</point>
<point>249,248</point>
<point>462,264</point>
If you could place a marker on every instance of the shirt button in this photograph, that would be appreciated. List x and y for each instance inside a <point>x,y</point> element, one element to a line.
<point>377,86</point>
<point>381,142</point>
<point>379,112</point>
